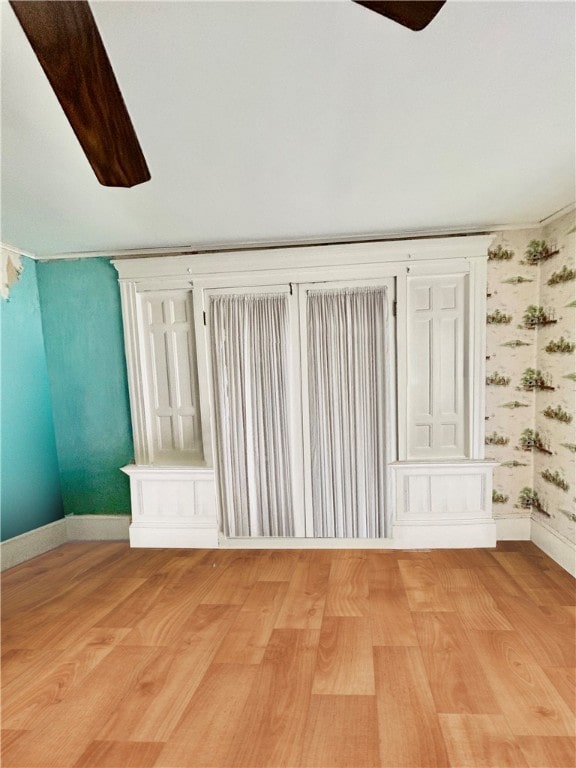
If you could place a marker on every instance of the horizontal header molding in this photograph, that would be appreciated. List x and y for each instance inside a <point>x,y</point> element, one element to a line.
<point>406,251</point>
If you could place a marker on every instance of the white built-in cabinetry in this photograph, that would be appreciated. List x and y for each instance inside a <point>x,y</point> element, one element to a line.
<point>440,486</point>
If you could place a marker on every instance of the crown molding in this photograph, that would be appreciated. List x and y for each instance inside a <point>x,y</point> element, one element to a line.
<point>558,214</point>
<point>255,245</point>
<point>17,251</point>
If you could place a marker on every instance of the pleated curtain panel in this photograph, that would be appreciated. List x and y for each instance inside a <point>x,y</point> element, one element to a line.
<point>250,375</point>
<point>347,393</point>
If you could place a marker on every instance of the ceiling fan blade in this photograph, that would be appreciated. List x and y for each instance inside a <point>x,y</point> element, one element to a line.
<point>67,43</point>
<point>414,14</point>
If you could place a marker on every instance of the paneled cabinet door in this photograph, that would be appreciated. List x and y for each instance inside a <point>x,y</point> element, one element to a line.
<point>172,413</point>
<point>437,366</point>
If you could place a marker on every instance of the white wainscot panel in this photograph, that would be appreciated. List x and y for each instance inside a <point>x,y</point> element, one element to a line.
<point>172,507</point>
<point>444,504</point>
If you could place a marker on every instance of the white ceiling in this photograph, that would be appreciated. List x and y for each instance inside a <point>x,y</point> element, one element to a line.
<point>287,121</point>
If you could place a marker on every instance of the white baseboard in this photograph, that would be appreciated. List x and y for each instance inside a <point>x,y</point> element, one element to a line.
<point>444,535</point>
<point>171,535</point>
<point>512,528</point>
<point>32,543</point>
<point>27,545</point>
<point>556,546</point>
<point>406,536</point>
<point>97,527</point>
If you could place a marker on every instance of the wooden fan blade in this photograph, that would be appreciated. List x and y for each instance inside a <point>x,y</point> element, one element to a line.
<point>412,14</point>
<point>67,43</point>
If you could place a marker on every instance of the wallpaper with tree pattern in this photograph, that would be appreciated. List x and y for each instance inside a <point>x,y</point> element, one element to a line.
<point>531,373</point>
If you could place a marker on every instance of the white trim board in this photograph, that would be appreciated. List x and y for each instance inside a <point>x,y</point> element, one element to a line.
<point>255,245</point>
<point>32,543</point>
<point>512,528</point>
<point>115,527</point>
<point>27,545</point>
<point>556,546</point>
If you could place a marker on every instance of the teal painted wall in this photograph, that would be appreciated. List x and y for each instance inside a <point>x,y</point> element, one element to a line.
<point>82,322</point>
<point>30,483</point>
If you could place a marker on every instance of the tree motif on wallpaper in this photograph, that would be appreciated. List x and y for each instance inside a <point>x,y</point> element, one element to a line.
<point>497,379</point>
<point>533,379</point>
<point>515,343</point>
<point>538,251</point>
<point>499,498</point>
<point>530,355</point>
<point>569,515</point>
<point>558,413</point>
<point>536,316</point>
<point>555,478</point>
<point>529,499</point>
<point>560,346</point>
<point>500,254</point>
<point>498,318</point>
<point>531,440</point>
<point>563,276</point>
<point>496,439</point>
<point>517,280</point>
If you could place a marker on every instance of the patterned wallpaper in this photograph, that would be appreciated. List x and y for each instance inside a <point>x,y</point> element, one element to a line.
<point>531,373</point>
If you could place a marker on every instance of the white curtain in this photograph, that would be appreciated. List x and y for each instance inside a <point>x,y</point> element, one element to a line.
<point>249,338</point>
<point>347,371</point>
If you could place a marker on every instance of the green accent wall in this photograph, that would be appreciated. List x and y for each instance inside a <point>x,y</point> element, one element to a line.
<point>84,341</point>
<point>30,483</point>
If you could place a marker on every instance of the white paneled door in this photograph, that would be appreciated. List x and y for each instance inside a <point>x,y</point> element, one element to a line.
<point>301,380</point>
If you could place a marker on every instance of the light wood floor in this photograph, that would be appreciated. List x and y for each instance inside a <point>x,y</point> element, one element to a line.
<point>117,657</point>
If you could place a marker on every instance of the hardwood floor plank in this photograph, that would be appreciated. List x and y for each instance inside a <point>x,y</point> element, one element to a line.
<point>566,583</point>
<point>66,620</point>
<point>164,621</point>
<point>526,697</point>
<point>390,617</point>
<point>527,570</point>
<point>303,606</point>
<point>383,570</point>
<point>456,679</point>
<point>212,719</point>
<point>348,585</point>
<point>34,692</point>
<point>549,631</point>
<point>423,588</point>
<point>548,752</point>
<point>498,581</point>
<point>8,739</point>
<point>564,681</point>
<point>462,558</point>
<point>235,578</point>
<point>152,709</point>
<point>474,604</point>
<point>83,711</point>
<point>128,612</point>
<point>279,565</point>
<point>342,732</point>
<point>275,716</point>
<point>246,641</point>
<point>344,664</point>
<point>119,754</point>
<point>26,662</point>
<point>481,741</point>
<point>408,726</point>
